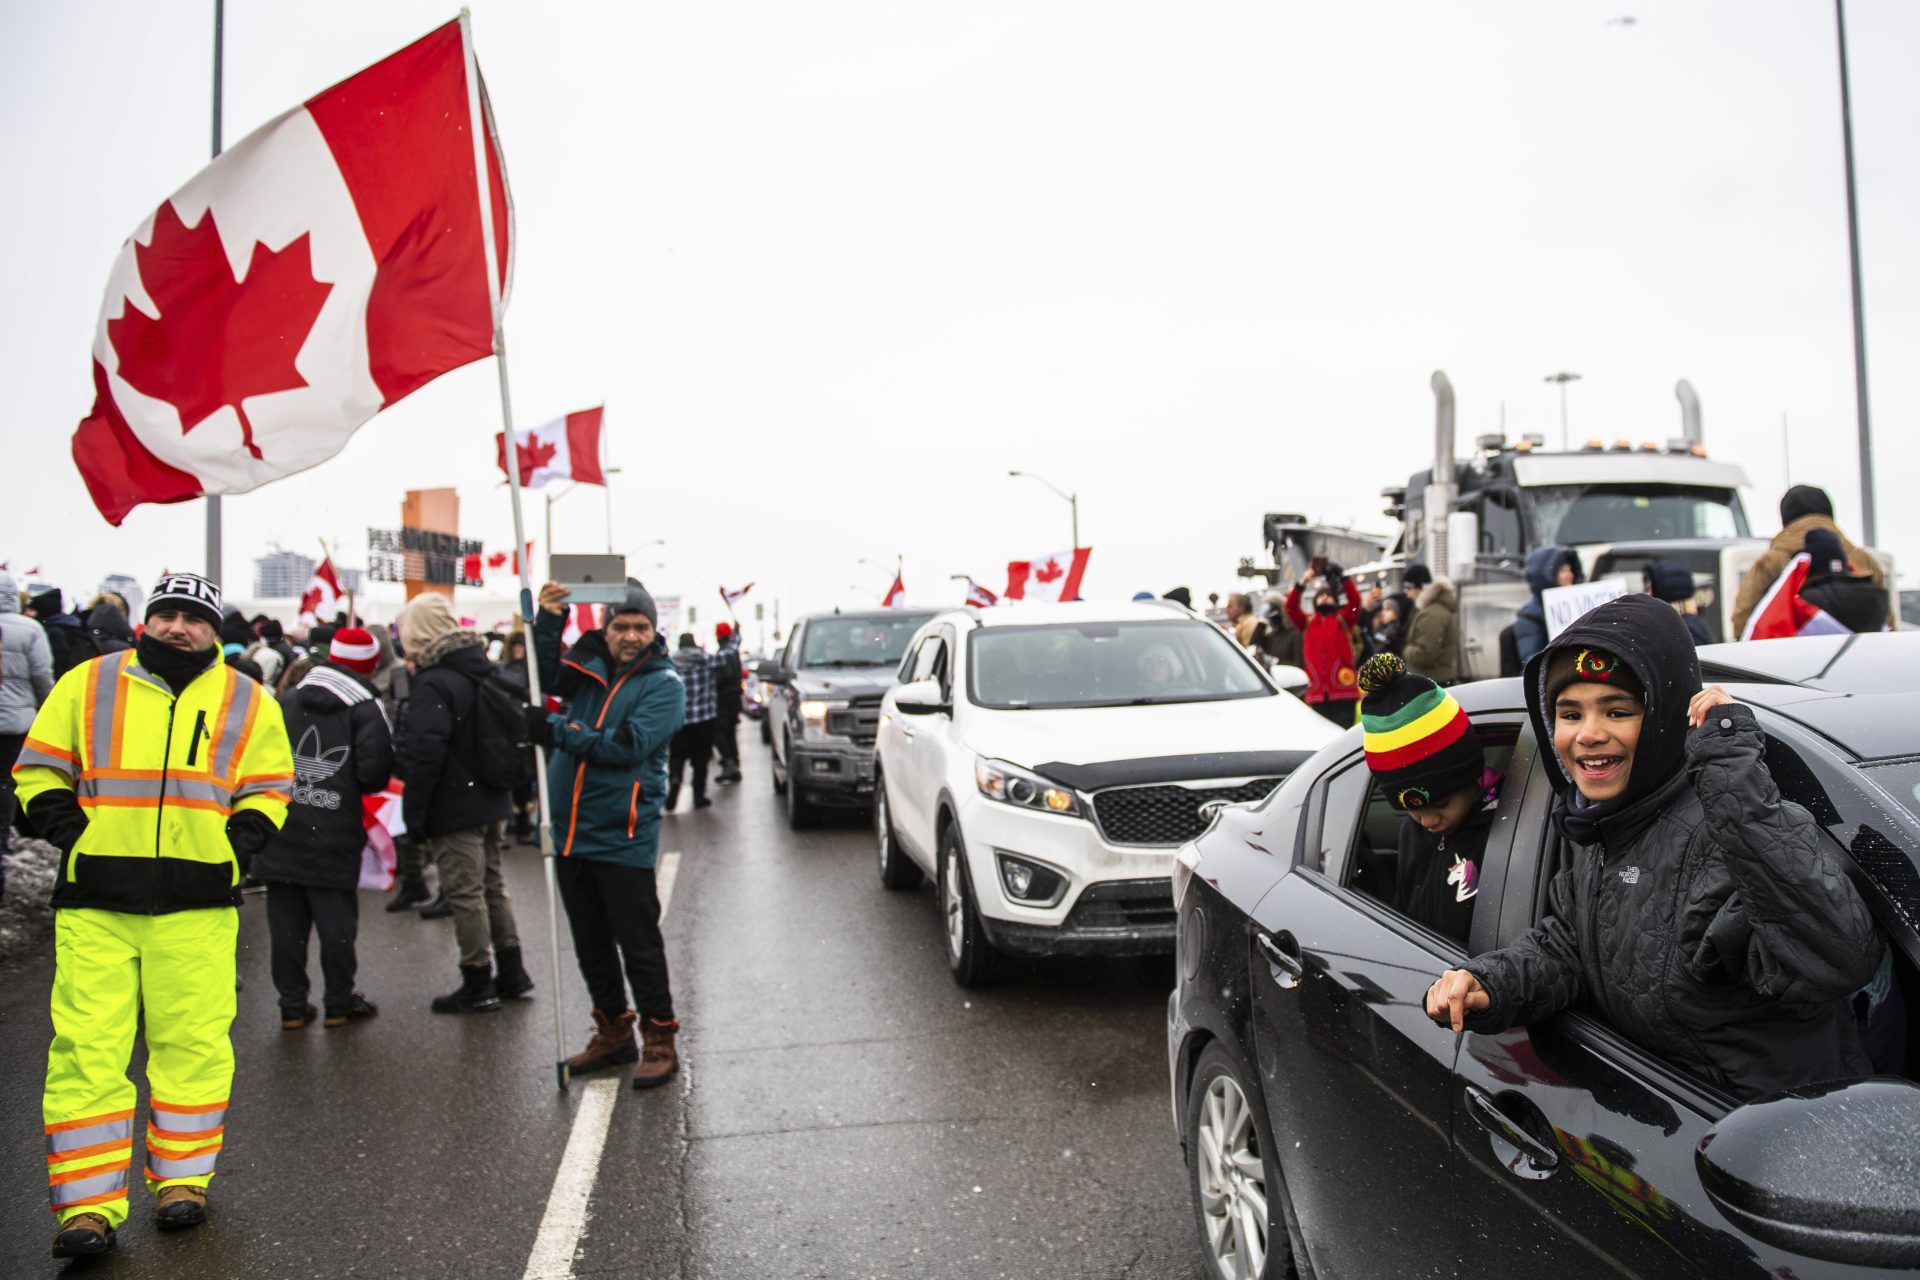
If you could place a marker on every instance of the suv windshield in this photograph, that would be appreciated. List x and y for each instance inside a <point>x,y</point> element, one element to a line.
<point>1575,514</point>
<point>1107,664</point>
<point>859,642</point>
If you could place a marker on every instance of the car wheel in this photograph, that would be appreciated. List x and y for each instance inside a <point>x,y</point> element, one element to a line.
<point>773,769</point>
<point>800,810</point>
<point>970,957</point>
<point>897,870</point>
<point>1233,1172</point>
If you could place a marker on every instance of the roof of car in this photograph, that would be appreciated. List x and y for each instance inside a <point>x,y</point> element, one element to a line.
<point>870,615</point>
<point>1019,614</point>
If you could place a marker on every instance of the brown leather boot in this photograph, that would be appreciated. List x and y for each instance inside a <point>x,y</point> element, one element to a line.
<point>658,1061</point>
<point>83,1235</point>
<point>611,1045</point>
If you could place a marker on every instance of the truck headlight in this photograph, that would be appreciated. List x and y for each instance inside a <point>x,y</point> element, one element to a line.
<point>813,715</point>
<point>1011,784</point>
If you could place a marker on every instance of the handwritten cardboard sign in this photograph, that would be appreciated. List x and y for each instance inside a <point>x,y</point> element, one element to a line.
<point>1565,605</point>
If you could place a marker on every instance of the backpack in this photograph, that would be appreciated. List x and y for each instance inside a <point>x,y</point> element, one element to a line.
<point>502,752</point>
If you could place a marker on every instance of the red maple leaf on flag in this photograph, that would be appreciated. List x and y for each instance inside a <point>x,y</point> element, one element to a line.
<point>218,339</point>
<point>495,559</point>
<point>534,454</point>
<point>1049,572</point>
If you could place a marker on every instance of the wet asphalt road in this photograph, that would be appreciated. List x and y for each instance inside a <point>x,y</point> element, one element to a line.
<point>843,1109</point>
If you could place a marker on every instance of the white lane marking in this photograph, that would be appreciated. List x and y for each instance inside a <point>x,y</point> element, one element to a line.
<point>566,1217</point>
<point>663,880</point>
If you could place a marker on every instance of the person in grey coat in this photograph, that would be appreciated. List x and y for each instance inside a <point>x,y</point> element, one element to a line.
<point>26,678</point>
<point>1697,911</point>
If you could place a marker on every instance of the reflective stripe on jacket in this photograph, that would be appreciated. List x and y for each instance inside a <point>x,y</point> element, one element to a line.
<point>157,777</point>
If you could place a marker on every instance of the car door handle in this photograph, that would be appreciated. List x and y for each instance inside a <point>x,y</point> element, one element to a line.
<point>1283,953</point>
<point>1487,1114</point>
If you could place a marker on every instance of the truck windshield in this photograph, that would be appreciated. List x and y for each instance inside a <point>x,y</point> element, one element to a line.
<point>1577,514</point>
<point>1107,664</point>
<point>859,642</point>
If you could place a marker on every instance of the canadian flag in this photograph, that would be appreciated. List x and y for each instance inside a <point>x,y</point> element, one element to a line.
<point>731,598</point>
<point>323,595</point>
<point>1782,613</point>
<point>565,449</point>
<point>896,597</point>
<point>978,597</point>
<point>325,267</point>
<point>1049,578</point>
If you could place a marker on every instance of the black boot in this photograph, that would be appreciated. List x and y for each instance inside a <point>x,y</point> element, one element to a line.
<point>406,894</point>
<point>438,909</point>
<point>477,994</point>
<point>510,976</point>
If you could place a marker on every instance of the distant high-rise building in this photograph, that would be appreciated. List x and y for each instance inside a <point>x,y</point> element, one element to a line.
<point>282,574</point>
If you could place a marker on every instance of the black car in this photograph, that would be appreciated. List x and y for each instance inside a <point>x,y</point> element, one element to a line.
<point>823,705</point>
<point>1330,1126</point>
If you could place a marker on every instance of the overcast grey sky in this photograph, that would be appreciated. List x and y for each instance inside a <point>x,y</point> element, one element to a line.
<point>836,267</point>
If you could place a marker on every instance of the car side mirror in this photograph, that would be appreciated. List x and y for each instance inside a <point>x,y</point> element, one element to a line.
<point>767,669</point>
<point>1290,678</point>
<point>920,698</point>
<point>1826,1172</point>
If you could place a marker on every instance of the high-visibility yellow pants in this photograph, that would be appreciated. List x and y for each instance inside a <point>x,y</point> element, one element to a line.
<point>109,967</point>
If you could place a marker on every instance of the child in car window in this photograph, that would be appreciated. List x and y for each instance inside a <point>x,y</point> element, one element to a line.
<point>1695,910</point>
<point>1427,761</point>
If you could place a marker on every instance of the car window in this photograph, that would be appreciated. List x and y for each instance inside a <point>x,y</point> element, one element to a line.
<point>792,650</point>
<point>1438,895</point>
<point>933,660</point>
<point>858,642</point>
<point>910,663</point>
<point>1108,664</point>
<point>1339,812</point>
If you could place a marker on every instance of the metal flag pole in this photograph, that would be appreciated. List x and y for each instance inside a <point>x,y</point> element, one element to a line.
<point>1869,525</point>
<point>219,82</point>
<point>480,125</point>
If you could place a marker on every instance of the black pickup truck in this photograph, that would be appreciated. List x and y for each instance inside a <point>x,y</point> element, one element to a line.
<point>823,705</point>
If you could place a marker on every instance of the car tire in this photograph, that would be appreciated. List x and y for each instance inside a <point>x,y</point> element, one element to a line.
<point>897,870</point>
<point>971,959</point>
<point>773,771</point>
<point>1233,1173</point>
<point>801,811</point>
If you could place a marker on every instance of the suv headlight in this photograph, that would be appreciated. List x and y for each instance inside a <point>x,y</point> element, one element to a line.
<point>813,715</point>
<point>1010,784</point>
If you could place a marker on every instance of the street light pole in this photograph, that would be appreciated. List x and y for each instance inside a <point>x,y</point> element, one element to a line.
<point>214,539</point>
<point>1563,378</point>
<point>1867,520</point>
<point>1072,501</point>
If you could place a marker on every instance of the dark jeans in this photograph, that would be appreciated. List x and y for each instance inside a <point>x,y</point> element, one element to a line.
<point>614,914</point>
<point>726,741</point>
<point>1340,712</point>
<point>293,910</point>
<point>10,744</point>
<point>693,742</point>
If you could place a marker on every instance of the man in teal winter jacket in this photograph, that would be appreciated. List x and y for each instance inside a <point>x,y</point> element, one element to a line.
<point>621,701</point>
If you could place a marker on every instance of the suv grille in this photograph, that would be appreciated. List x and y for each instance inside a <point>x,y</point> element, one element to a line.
<point>861,721</point>
<point>1165,813</point>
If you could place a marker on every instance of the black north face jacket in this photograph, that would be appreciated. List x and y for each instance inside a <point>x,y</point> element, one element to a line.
<point>1699,914</point>
<point>342,751</point>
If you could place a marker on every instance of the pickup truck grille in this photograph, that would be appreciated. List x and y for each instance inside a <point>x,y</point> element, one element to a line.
<point>860,722</point>
<point>1165,813</point>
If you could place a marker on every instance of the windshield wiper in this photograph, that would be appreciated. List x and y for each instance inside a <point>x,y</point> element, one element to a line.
<point>854,662</point>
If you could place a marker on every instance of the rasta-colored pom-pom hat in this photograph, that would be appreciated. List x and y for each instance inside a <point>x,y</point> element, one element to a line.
<point>1418,740</point>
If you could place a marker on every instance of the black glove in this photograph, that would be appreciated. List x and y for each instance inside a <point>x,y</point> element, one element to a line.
<point>1335,573</point>
<point>249,831</point>
<point>57,818</point>
<point>539,728</point>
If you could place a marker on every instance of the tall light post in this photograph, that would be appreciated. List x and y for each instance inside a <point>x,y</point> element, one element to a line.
<point>1867,521</point>
<point>1563,378</point>
<point>1072,500</point>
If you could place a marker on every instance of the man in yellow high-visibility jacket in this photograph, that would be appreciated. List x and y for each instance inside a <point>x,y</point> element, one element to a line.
<point>158,772</point>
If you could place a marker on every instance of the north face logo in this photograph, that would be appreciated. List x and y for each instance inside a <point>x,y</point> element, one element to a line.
<point>1630,875</point>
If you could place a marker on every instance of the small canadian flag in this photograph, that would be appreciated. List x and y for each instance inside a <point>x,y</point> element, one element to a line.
<point>896,597</point>
<point>322,597</point>
<point>978,597</point>
<point>565,449</point>
<point>326,266</point>
<point>1049,578</point>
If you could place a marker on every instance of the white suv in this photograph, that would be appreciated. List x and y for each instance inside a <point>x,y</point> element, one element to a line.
<point>1043,762</point>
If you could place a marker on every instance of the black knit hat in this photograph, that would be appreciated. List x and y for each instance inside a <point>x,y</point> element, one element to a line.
<point>1823,548</point>
<point>47,603</point>
<point>187,593</point>
<point>1590,666</point>
<point>639,600</point>
<point>1804,500</point>
<point>1417,575</point>
<point>1418,740</point>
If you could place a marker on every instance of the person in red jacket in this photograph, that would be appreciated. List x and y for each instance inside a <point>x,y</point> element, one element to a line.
<point>1326,636</point>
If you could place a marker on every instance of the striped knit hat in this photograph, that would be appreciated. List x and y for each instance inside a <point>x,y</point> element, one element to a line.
<point>1418,740</point>
<point>355,649</point>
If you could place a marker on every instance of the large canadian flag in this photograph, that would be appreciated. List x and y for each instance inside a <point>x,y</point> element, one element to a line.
<point>565,449</point>
<point>1048,578</point>
<point>1782,613</point>
<point>323,595</point>
<point>317,272</point>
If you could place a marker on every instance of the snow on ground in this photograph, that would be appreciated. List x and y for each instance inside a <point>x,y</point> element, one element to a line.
<point>26,921</point>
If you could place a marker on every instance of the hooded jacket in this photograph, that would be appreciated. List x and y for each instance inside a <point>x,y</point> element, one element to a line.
<point>1698,913</point>
<point>1433,641</point>
<point>26,663</point>
<point>107,630</point>
<point>607,771</point>
<point>435,748</point>
<point>1543,566</point>
<point>342,751</point>
<point>1327,646</point>
<point>1785,546</point>
<point>1674,584</point>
